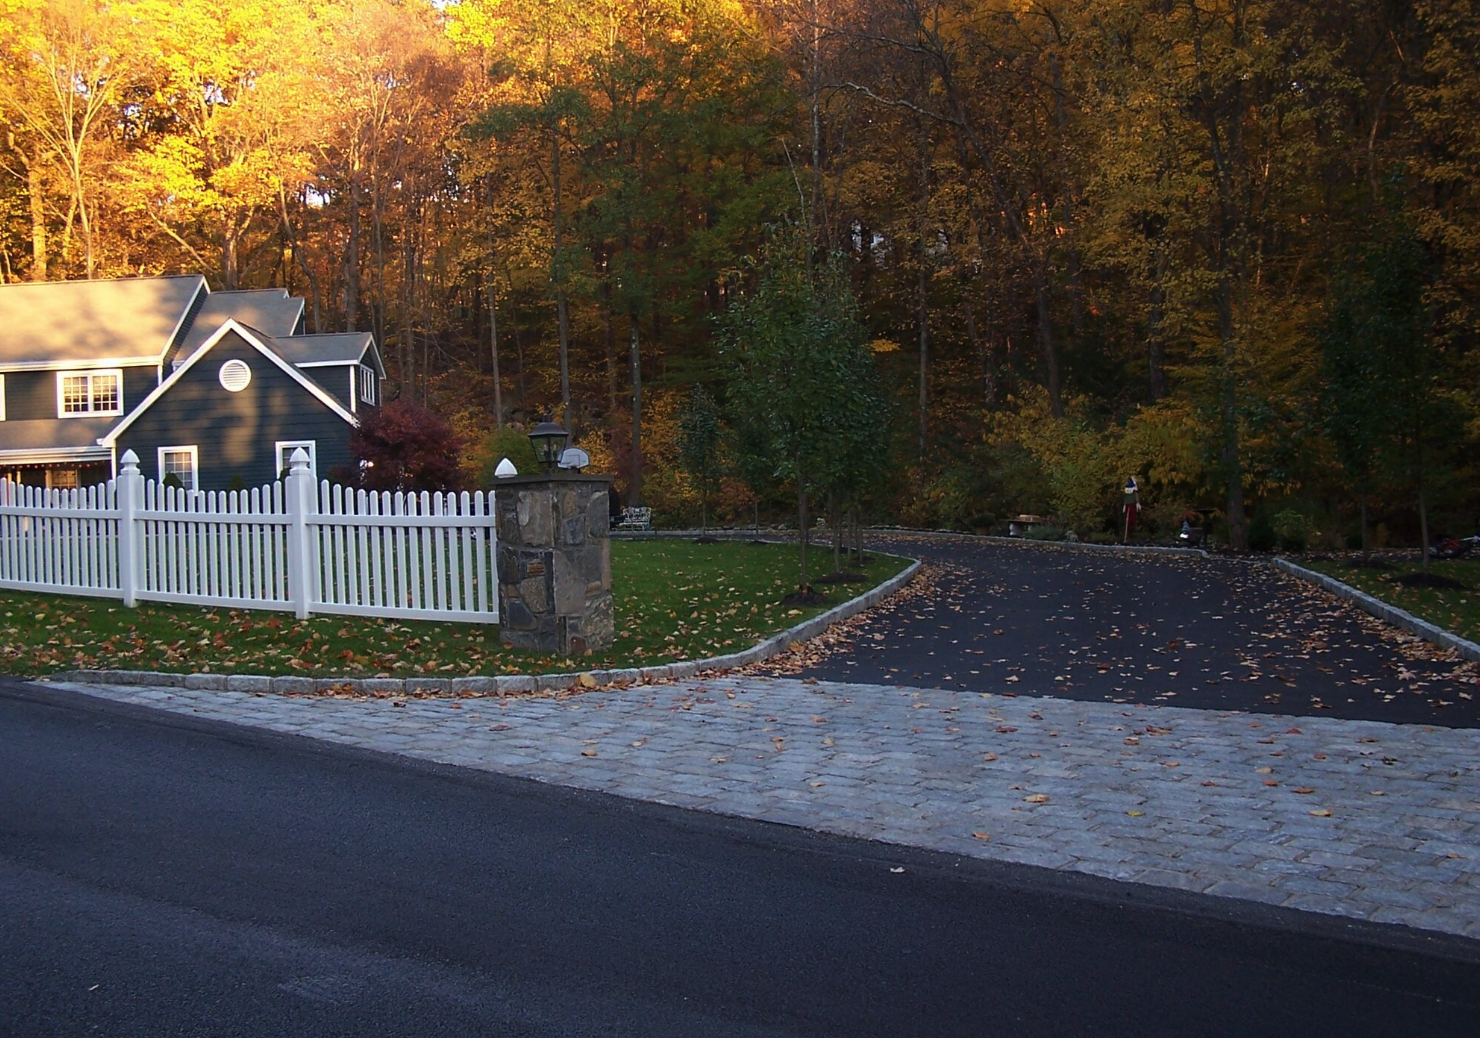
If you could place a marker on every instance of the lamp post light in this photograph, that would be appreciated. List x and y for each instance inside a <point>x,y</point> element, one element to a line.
<point>548,440</point>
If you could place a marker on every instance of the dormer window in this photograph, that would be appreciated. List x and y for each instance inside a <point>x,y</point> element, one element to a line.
<point>367,384</point>
<point>89,393</point>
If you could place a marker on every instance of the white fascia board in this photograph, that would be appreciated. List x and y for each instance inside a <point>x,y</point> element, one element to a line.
<point>49,455</point>
<point>151,361</point>
<point>373,348</point>
<point>328,364</point>
<point>200,286</point>
<point>206,347</point>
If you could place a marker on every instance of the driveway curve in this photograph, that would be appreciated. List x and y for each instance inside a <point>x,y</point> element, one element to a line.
<point>1137,627</point>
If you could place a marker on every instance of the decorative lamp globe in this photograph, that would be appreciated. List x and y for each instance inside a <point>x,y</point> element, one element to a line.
<point>548,440</point>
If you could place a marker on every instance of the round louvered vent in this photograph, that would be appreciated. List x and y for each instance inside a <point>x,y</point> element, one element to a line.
<point>235,375</point>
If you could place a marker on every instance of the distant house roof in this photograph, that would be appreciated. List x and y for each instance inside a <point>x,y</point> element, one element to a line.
<point>312,351</point>
<point>47,324</point>
<point>42,440</point>
<point>269,310</point>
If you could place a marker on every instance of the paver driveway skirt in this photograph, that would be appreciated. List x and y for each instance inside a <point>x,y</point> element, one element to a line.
<point>1354,818</point>
<point>1110,626</point>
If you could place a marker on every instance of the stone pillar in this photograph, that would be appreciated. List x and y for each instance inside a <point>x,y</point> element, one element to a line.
<point>554,563</point>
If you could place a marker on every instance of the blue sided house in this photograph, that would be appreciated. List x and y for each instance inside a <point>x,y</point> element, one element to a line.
<point>215,388</point>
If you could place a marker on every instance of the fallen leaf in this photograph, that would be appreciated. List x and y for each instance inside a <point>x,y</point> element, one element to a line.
<point>499,728</point>
<point>898,870</point>
<point>1135,814</point>
<point>981,836</point>
<point>1036,798</point>
<point>1270,782</point>
<point>1321,812</point>
<point>588,753</point>
<point>1376,793</point>
<point>989,756</point>
<point>1305,789</point>
<point>1263,771</point>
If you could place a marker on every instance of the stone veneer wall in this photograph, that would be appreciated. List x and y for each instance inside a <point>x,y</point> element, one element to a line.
<point>555,564</point>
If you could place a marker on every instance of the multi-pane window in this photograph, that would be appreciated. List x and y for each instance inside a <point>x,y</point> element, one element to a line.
<point>89,393</point>
<point>179,462</point>
<point>285,450</point>
<point>367,384</point>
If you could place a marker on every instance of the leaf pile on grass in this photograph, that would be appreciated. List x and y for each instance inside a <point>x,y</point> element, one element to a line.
<point>674,600</point>
<point>1456,608</point>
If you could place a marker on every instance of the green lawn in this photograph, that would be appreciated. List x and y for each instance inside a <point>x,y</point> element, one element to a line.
<point>1456,610</point>
<point>674,600</point>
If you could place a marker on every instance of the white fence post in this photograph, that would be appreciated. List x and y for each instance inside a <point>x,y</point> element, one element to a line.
<point>130,487</point>
<point>299,492</point>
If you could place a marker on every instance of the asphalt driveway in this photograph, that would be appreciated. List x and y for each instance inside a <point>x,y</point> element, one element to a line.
<point>1138,627</point>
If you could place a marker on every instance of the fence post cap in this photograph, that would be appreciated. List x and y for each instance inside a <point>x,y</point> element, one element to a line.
<point>299,460</point>
<point>130,459</point>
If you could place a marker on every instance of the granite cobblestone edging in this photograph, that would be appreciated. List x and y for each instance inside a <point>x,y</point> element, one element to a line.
<point>1383,611</point>
<point>292,684</point>
<point>1359,819</point>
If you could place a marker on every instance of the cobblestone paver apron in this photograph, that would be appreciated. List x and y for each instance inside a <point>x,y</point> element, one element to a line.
<point>1355,818</point>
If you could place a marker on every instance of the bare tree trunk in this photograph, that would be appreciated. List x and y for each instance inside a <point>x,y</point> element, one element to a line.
<point>557,263</point>
<point>634,487</point>
<point>518,339</point>
<point>922,288</point>
<point>230,272</point>
<point>1046,342</point>
<point>804,528</point>
<point>498,382</point>
<point>377,244</point>
<point>87,235</point>
<point>352,257</point>
<point>1228,405</point>
<point>36,188</point>
<point>1155,345</point>
<point>609,336</point>
<point>982,349</point>
<point>313,281</point>
<point>835,520</point>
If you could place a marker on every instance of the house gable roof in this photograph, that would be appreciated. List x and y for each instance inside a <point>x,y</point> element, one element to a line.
<point>61,324</point>
<point>259,341</point>
<point>322,351</point>
<point>269,310</point>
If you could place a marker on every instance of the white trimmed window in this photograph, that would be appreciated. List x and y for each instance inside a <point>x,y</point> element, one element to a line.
<point>180,462</point>
<point>89,393</point>
<point>285,449</point>
<point>62,479</point>
<point>367,384</point>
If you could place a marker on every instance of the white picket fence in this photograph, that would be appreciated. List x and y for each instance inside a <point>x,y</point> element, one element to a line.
<point>289,545</point>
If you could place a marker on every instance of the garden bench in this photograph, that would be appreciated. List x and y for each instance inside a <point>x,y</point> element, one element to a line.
<point>638,520</point>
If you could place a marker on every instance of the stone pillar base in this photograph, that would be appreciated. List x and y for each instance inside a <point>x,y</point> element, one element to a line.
<point>555,564</point>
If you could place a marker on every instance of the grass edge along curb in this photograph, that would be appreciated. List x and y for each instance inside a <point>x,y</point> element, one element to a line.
<point>994,538</point>
<point>1383,611</point>
<point>502,685</point>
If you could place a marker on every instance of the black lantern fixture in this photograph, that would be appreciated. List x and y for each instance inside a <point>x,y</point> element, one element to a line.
<point>548,439</point>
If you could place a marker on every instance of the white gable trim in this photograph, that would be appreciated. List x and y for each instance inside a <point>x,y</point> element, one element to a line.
<point>185,315</point>
<point>230,326</point>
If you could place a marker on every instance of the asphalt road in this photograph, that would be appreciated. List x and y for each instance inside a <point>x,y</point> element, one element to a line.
<point>1180,630</point>
<point>162,875</point>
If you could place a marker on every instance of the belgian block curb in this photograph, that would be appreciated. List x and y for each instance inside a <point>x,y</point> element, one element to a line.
<point>1380,609</point>
<point>503,685</point>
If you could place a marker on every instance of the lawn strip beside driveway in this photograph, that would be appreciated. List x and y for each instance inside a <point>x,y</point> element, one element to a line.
<point>508,684</point>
